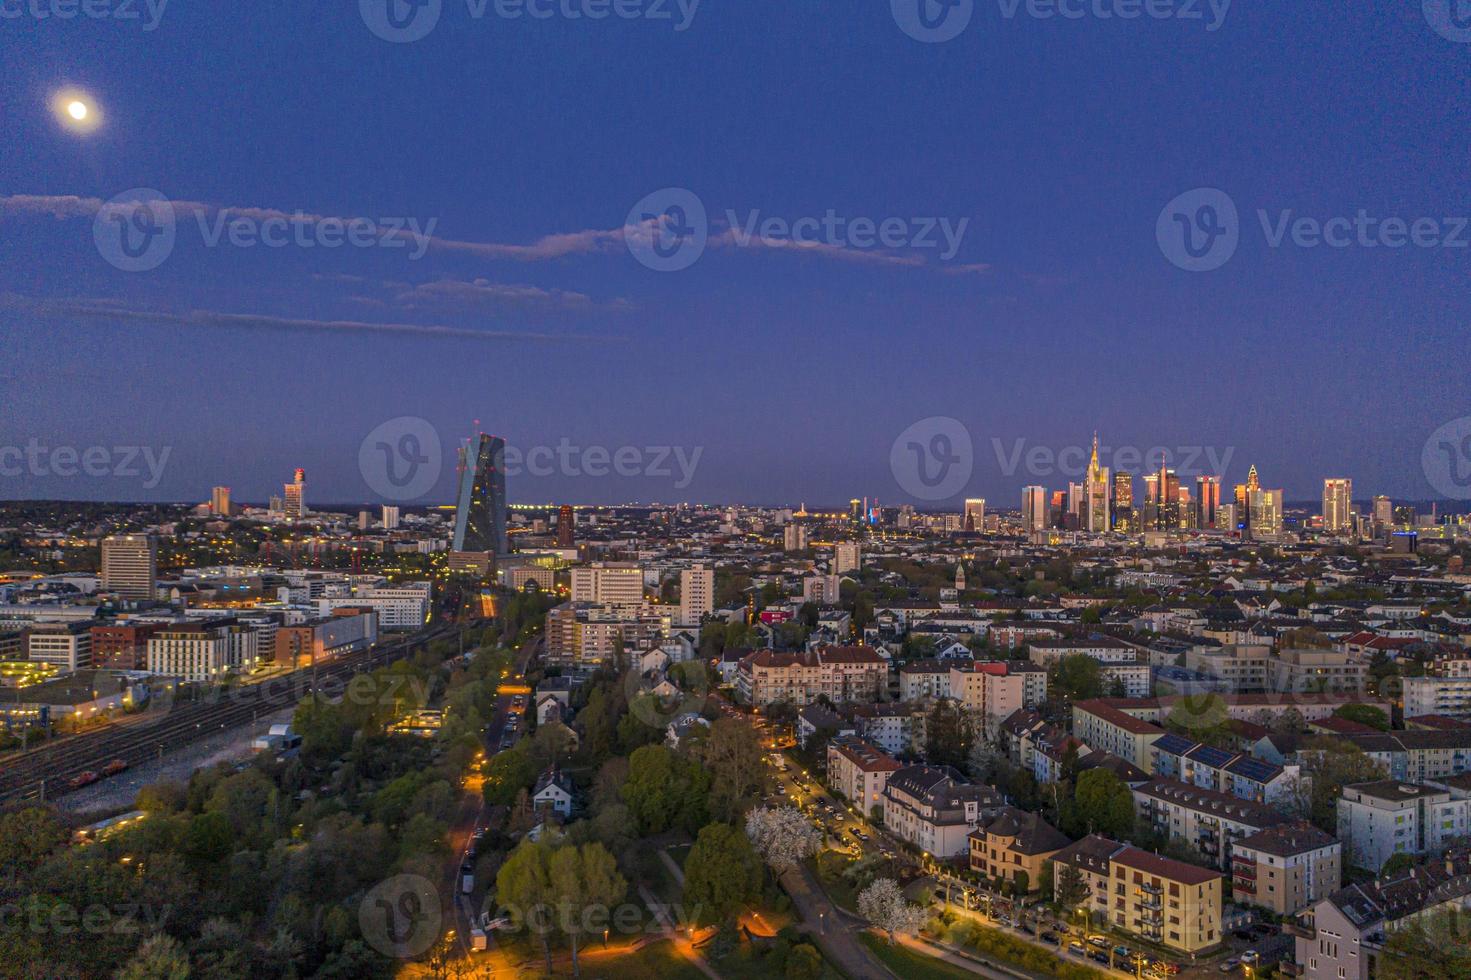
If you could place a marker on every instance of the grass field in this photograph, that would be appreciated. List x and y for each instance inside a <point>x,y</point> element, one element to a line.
<point>912,966</point>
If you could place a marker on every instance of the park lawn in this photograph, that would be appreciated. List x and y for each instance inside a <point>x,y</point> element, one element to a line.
<point>830,866</point>
<point>659,959</point>
<point>911,965</point>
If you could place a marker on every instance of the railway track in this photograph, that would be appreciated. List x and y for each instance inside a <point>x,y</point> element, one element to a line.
<point>46,772</point>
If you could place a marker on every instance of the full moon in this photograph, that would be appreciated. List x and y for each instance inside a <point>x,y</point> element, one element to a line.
<point>76,110</point>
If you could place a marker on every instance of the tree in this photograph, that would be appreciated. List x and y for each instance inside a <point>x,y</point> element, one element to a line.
<point>738,775</point>
<point>1069,889</point>
<point>583,878</point>
<point>1080,677</point>
<point>1101,804</point>
<point>1333,765</point>
<point>1428,947</point>
<point>949,734</point>
<point>649,790</point>
<point>28,837</point>
<point>883,904</point>
<point>524,885</point>
<point>985,762</point>
<point>1364,714</point>
<point>159,958</point>
<point>509,773</point>
<point>721,873</point>
<point>804,962</point>
<point>783,836</point>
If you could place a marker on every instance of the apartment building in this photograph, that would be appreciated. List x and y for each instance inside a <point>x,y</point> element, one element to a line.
<point>122,646</point>
<point>696,594</point>
<point>1314,670</point>
<point>994,690</point>
<point>935,810</point>
<point>1235,773</point>
<point>1243,666</point>
<point>1418,756</point>
<point>320,640</point>
<point>1013,845</point>
<point>1106,728</point>
<point>1449,696</point>
<point>1207,821</point>
<point>920,679</point>
<point>403,605</point>
<point>586,635</point>
<point>1342,937</point>
<point>892,726</point>
<point>855,673</point>
<point>1169,902</point>
<point>859,772</point>
<point>609,584</point>
<point>203,651</point>
<point>1105,650</point>
<point>1379,820</point>
<point>1286,868</point>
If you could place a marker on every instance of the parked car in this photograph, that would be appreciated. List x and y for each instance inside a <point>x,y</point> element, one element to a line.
<point>1122,952</point>
<point>1049,938</point>
<point>1077,949</point>
<point>114,767</point>
<point>1251,958</point>
<point>1230,965</point>
<point>1100,941</point>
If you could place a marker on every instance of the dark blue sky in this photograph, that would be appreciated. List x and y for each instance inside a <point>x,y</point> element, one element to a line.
<point>793,371</point>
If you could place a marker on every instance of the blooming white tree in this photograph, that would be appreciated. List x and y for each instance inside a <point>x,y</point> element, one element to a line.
<point>883,904</point>
<point>782,836</point>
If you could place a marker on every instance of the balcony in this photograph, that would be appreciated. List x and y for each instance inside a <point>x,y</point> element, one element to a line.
<point>1293,927</point>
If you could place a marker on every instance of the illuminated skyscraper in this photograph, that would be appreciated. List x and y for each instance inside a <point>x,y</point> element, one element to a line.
<point>566,527</point>
<point>293,497</point>
<point>1167,511</point>
<point>130,565</point>
<point>1338,506</point>
<point>219,501</point>
<point>1034,509</point>
<point>1095,494</point>
<point>480,513</point>
<point>975,515</point>
<point>1383,514</point>
<point>1207,500</point>
<point>1266,513</point>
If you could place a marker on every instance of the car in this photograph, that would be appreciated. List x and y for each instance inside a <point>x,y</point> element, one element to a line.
<point>860,835</point>
<point>1250,958</point>
<point>1099,956</point>
<point>1049,938</point>
<point>1229,965</point>
<point>1029,929</point>
<point>1077,949</point>
<point>1122,952</point>
<point>1100,941</point>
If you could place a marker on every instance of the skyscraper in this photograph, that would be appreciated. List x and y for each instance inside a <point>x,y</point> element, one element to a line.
<point>1243,496</point>
<point>1207,500</point>
<point>390,517</point>
<point>1095,494</point>
<point>1338,506</point>
<point>696,594</point>
<point>1034,509</point>
<point>1167,512</point>
<point>1266,513</point>
<point>847,557</point>
<point>794,537</point>
<point>566,527</point>
<point>219,501</point>
<point>130,566</point>
<point>293,497</point>
<point>1383,514</point>
<point>975,515</point>
<point>480,512</point>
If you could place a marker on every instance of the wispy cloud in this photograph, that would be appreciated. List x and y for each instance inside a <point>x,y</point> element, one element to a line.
<point>732,238</point>
<point>482,292</point>
<point>213,319</point>
<point>970,269</point>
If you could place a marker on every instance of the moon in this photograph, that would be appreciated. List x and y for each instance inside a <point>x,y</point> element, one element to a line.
<point>75,110</point>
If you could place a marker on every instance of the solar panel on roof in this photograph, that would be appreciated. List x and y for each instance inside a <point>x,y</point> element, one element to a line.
<point>1254,769</point>
<point>1212,756</point>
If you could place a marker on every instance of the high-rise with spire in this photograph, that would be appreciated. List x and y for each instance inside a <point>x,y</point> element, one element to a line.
<point>1095,494</point>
